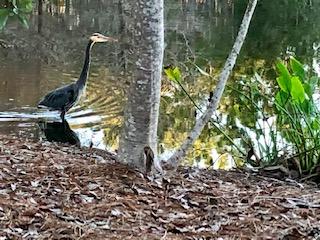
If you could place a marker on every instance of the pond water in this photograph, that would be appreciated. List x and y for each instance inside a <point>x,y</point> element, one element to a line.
<point>50,54</point>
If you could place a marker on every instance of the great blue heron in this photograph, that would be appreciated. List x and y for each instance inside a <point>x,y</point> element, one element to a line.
<point>64,98</point>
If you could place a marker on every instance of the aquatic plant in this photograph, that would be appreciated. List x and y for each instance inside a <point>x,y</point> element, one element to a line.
<point>15,9</point>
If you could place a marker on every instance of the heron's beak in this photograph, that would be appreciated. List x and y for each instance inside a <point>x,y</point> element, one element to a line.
<point>107,39</point>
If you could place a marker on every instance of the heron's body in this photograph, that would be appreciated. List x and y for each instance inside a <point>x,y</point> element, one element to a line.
<point>64,98</point>
<point>61,99</point>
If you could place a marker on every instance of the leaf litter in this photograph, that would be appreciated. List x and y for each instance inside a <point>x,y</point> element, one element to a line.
<point>55,191</point>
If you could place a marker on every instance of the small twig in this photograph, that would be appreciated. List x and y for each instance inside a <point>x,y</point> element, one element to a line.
<point>164,235</point>
<point>309,176</point>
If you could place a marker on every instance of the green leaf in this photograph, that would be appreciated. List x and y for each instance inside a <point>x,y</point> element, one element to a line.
<point>169,73</point>
<point>23,19</point>
<point>262,147</point>
<point>309,89</point>
<point>282,98</point>
<point>315,124</point>
<point>173,73</point>
<point>284,83</point>
<point>297,90</point>
<point>297,68</point>
<point>284,80</point>
<point>177,73</point>
<point>25,6</point>
<point>307,107</point>
<point>4,14</point>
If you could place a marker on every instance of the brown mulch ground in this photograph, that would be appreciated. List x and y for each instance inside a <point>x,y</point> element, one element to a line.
<point>50,191</point>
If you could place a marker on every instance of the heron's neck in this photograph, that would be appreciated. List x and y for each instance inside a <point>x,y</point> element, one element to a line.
<point>85,70</point>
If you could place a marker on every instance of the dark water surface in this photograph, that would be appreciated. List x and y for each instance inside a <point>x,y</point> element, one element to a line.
<point>50,54</point>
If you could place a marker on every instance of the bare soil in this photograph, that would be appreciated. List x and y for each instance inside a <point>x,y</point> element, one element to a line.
<point>54,191</point>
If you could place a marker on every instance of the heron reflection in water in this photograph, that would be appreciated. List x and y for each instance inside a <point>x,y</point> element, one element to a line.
<point>64,98</point>
<point>59,132</point>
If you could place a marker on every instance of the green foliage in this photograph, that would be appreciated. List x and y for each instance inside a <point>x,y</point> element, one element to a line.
<point>4,14</point>
<point>16,9</point>
<point>173,73</point>
<point>298,114</point>
<point>284,80</point>
<point>284,127</point>
<point>297,68</point>
<point>256,131</point>
<point>297,90</point>
<point>292,83</point>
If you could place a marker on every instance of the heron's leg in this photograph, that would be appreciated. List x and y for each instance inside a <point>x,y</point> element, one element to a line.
<point>63,113</point>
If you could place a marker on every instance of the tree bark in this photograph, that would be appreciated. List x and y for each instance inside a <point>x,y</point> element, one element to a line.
<point>144,24</point>
<point>179,154</point>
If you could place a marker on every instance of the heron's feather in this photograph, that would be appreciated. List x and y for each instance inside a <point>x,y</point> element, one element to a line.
<point>61,99</point>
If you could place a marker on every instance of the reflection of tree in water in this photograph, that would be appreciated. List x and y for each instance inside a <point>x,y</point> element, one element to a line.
<point>209,27</point>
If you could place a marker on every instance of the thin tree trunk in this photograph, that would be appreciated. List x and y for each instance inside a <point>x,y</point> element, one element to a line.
<point>144,21</point>
<point>40,17</point>
<point>227,69</point>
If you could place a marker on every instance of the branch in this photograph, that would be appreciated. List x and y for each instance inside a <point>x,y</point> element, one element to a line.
<point>226,71</point>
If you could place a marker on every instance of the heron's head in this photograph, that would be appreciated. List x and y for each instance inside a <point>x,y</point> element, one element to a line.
<point>98,37</point>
